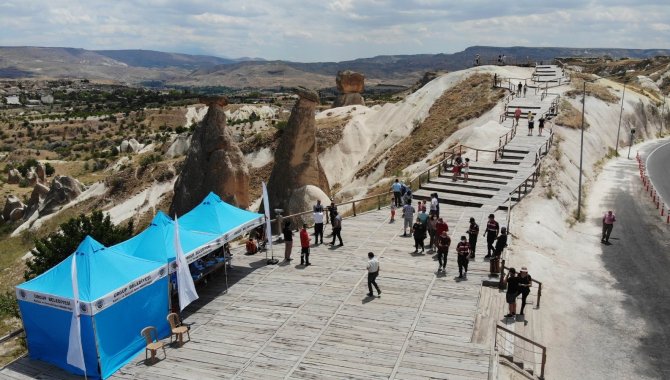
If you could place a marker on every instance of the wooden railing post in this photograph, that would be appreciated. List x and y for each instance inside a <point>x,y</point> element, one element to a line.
<point>354,204</point>
<point>476,155</point>
<point>544,362</point>
<point>539,294</point>
<point>379,202</point>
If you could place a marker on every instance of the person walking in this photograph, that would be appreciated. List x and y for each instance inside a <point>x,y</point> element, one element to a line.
<point>443,243</point>
<point>608,223</point>
<point>337,228</point>
<point>491,233</point>
<point>501,243</point>
<point>304,246</point>
<point>525,88</point>
<point>432,228</point>
<point>517,116</point>
<point>531,123</point>
<point>440,226</point>
<point>373,272</point>
<point>318,226</point>
<point>512,282</point>
<point>540,125</point>
<point>525,283</point>
<point>421,207</point>
<point>519,89</point>
<point>288,240</point>
<point>466,169</point>
<point>408,216</point>
<point>423,217</point>
<point>393,208</point>
<point>332,211</point>
<point>397,192</point>
<point>463,251</point>
<point>473,232</point>
<point>419,233</point>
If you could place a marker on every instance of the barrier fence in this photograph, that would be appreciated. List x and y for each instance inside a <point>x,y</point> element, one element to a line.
<point>518,354</point>
<point>649,188</point>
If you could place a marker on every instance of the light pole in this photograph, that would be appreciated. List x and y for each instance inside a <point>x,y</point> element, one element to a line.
<point>620,114</point>
<point>581,157</point>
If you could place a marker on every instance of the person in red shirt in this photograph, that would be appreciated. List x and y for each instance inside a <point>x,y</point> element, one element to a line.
<point>304,246</point>
<point>608,223</point>
<point>441,226</point>
<point>463,251</point>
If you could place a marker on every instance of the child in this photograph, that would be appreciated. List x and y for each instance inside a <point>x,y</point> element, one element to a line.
<point>466,169</point>
<point>393,208</point>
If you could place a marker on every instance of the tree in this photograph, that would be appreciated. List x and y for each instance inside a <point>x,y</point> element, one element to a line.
<point>57,246</point>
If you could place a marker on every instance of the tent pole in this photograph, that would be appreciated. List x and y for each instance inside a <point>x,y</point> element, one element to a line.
<point>225,273</point>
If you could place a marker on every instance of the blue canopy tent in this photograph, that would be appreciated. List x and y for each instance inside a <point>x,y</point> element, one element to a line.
<point>119,296</point>
<point>215,216</point>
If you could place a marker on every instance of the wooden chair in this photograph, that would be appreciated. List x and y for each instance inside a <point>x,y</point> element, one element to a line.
<point>153,344</point>
<point>177,328</point>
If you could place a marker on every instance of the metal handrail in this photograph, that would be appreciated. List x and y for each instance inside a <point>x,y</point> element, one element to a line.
<point>517,335</point>
<point>539,283</point>
<point>11,335</point>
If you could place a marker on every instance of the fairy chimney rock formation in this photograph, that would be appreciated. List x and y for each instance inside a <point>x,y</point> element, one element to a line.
<point>296,163</point>
<point>350,84</point>
<point>62,191</point>
<point>214,163</point>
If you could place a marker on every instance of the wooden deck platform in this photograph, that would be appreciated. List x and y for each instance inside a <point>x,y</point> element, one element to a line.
<point>288,321</point>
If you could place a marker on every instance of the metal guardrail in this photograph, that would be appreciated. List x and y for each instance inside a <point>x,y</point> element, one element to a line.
<point>11,335</point>
<point>500,347</point>
<point>539,283</point>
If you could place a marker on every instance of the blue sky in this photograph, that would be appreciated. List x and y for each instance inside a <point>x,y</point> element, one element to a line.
<point>332,30</point>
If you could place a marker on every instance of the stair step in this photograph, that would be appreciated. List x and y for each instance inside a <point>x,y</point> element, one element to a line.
<point>475,179</point>
<point>424,195</point>
<point>515,151</point>
<point>462,184</point>
<point>456,192</point>
<point>512,157</point>
<point>497,170</point>
<point>476,173</point>
<point>505,162</point>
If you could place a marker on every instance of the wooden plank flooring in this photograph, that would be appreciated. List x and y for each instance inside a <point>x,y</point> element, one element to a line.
<point>287,321</point>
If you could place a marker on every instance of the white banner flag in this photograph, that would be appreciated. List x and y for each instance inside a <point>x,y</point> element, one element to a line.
<point>268,231</point>
<point>185,285</point>
<point>75,351</point>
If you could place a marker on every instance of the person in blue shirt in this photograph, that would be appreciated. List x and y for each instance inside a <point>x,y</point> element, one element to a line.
<point>397,188</point>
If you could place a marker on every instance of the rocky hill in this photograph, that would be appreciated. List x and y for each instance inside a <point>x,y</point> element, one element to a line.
<point>140,66</point>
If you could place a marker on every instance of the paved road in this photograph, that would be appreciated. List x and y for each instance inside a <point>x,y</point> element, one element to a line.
<point>659,170</point>
<point>639,259</point>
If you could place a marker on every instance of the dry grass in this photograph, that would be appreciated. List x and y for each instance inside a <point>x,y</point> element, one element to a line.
<point>569,116</point>
<point>256,176</point>
<point>329,131</point>
<point>592,89</point>
<point>467,100</point>
<point>269,138</point>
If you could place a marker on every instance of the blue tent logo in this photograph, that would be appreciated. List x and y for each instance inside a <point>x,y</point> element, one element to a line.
<point>100,304</point>
<point>22,294</point>
<point>82,307</point>
<point>161,272</point>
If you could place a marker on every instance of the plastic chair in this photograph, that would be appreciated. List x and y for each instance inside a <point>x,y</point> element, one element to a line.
<point>177,328</point>
<point>153,344</point>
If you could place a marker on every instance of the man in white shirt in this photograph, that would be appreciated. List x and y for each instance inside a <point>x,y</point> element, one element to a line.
<point>373,272</point>
<point>318,226</point>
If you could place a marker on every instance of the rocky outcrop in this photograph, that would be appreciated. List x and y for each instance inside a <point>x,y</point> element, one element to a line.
<point>179,146</point>
<point>130,146</point>
<point>303,199</point>
<point>350,84</point>
<point>41,172</point>
<point>214,163</point>
<point>296,158</point>
<point>63,190</point>
<point>14,176</point>
<point>38,195</point>
<point>14,209</point>
<point>31,177</point>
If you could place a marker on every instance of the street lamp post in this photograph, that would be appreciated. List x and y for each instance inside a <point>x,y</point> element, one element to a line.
<point>581,158</point>
<point>620,114</point>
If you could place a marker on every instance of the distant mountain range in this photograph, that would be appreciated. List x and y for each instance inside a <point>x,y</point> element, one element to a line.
<point>142,66</point>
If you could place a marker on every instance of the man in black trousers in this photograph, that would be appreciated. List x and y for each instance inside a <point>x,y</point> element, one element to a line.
<point>491,233</point>
<point>373,272</point>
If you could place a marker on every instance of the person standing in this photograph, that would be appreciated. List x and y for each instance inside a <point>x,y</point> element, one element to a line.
<point>458,164</point>
<point>318,226</point>
<point>432,228</point>
<point>304,246</point>
<point>491,233</point>
<point>540,125</point>
<point>517,116</point>
<point>466,170</point>
<point>419,233</point>
<point>443,243</point>
<point>501,243</point>
<point>393,208</point>
<point>512,282</point>
<point>397,192</point>
<point>531,123</point>
<point>332,211</point>
<point>317,207</point>
<point>463,251</point>
<point>408,216</point>
<point>373,272</point>
<point>608,223</point>
<point>473,232</point>
<point>288,240</point>
<point>525,88</point>
<point>421,207</point>
<point>434,205</point>
<point>337,228</point>
<point>525,283</point>
<point>519,89</point>
<point>423,217</point>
